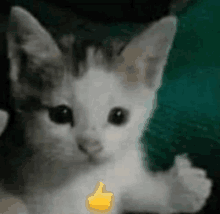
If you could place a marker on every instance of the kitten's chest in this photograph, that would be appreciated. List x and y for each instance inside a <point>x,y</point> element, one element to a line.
<point>71,198</point>
<point>116,176</point>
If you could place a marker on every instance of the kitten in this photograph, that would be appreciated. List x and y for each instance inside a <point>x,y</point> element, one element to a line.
<point>80,113</point>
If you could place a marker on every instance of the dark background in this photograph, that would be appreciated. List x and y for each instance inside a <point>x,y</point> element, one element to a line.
<point>187,118</point>
<point>106,11</point>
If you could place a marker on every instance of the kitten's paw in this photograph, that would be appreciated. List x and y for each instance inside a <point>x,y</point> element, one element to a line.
<point>190,188</point>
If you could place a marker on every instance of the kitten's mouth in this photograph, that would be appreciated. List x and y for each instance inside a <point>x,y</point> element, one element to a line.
<point>96,154</point>
<point>95,159</point>
<point>98,159</point>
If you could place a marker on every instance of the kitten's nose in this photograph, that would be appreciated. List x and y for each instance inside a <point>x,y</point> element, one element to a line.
<point>89,146</point>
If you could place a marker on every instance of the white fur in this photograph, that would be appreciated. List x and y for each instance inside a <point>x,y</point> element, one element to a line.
<point>60,176</point>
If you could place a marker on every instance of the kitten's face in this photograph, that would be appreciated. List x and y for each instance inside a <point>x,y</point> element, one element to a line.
<point>94,110</point>
<point>92,117</point>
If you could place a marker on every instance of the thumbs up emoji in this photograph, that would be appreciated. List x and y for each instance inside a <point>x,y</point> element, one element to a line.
<point>100,201</point>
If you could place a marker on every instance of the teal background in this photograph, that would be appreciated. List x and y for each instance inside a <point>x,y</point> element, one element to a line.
<point>187,119</point>
<point>188,100</point>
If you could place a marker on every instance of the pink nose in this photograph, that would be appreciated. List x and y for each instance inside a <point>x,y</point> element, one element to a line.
<point>89,146</point>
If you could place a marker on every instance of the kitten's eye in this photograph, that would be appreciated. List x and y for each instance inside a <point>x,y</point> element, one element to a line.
<point>118,116</point>
<point>61,114</point>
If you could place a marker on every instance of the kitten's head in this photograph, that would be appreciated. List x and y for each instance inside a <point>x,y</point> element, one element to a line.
<point>73,108</point>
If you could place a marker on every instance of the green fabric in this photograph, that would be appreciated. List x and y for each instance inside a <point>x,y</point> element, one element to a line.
<point>188,115</point>
<point>189,96</point>
<point>192,80</point>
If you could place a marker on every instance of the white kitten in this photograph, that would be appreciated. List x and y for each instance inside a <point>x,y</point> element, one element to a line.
<point>81,116</point>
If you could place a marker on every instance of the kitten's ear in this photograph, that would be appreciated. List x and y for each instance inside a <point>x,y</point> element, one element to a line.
<point>34,56</point>
<point>146,55</point>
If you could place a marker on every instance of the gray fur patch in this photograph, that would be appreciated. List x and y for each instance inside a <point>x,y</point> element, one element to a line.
<point>89,53</point>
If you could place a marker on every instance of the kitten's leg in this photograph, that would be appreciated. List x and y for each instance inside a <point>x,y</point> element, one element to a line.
<point>190,186</point>
<point>148,194</point>
<point>182,189</point>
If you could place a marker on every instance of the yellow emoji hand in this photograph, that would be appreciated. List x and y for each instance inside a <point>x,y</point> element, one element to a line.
<point>100,200</point>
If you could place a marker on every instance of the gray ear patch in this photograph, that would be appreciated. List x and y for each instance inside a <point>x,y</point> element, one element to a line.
<point>28,39</point>
<point>147,54</point>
